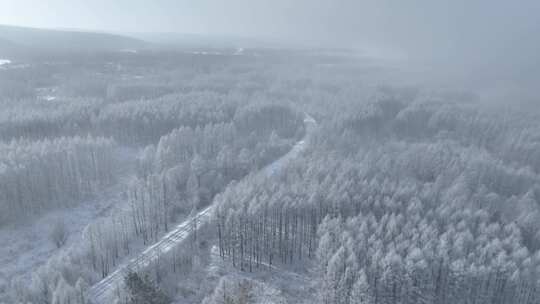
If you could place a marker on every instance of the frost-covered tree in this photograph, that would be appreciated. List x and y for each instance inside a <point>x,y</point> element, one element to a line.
<point>143,291</point>
<point>59,233</point>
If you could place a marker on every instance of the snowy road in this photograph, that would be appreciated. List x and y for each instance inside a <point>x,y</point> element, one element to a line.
<point>101,292</point>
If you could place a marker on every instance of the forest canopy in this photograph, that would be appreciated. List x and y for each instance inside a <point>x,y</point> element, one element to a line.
<point>195,168</point>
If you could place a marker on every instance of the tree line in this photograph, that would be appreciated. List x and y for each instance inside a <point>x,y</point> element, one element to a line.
<point>387,217</point>
<point>183,173</point>
<point>36,176</point>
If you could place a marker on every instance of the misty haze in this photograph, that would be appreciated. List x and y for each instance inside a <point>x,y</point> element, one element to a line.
<point>286,151</point>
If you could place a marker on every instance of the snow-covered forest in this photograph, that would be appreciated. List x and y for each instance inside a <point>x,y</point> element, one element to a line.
<point>226,175</point>
<point>401,203</point>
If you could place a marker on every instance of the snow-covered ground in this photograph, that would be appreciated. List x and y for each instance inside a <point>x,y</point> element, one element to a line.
<point>269,283</point>
<point>278,165</point>
<point>102,291</point>
<point>239,51</point>
<point>47,94</point>
<point>4,61</point>
<point>206,53</point>
<point>130,51</point>
<point>26,246</point>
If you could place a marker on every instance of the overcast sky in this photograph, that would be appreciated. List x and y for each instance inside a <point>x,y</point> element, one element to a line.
<point>489,34</point>
<point>348,22</point>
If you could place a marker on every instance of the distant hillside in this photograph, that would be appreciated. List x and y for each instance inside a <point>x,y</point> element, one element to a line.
<point>62,40</point>
<point>7,47</point>
<point>182,40</point>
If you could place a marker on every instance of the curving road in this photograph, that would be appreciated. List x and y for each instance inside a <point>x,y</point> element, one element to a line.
<point>101,292</point>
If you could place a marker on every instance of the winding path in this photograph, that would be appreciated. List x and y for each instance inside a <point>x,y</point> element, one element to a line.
<point>101,292</point>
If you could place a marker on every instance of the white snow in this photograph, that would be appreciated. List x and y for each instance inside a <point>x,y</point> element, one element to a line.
<point>130,51</point>
<point>279,164</point>
<point>206,53</point>
<point>239,51</point>
<point>4,61</point>
<point>270,283</point>
<point>101,291</point>
<point>26,246</point>
<point>47,93</point>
